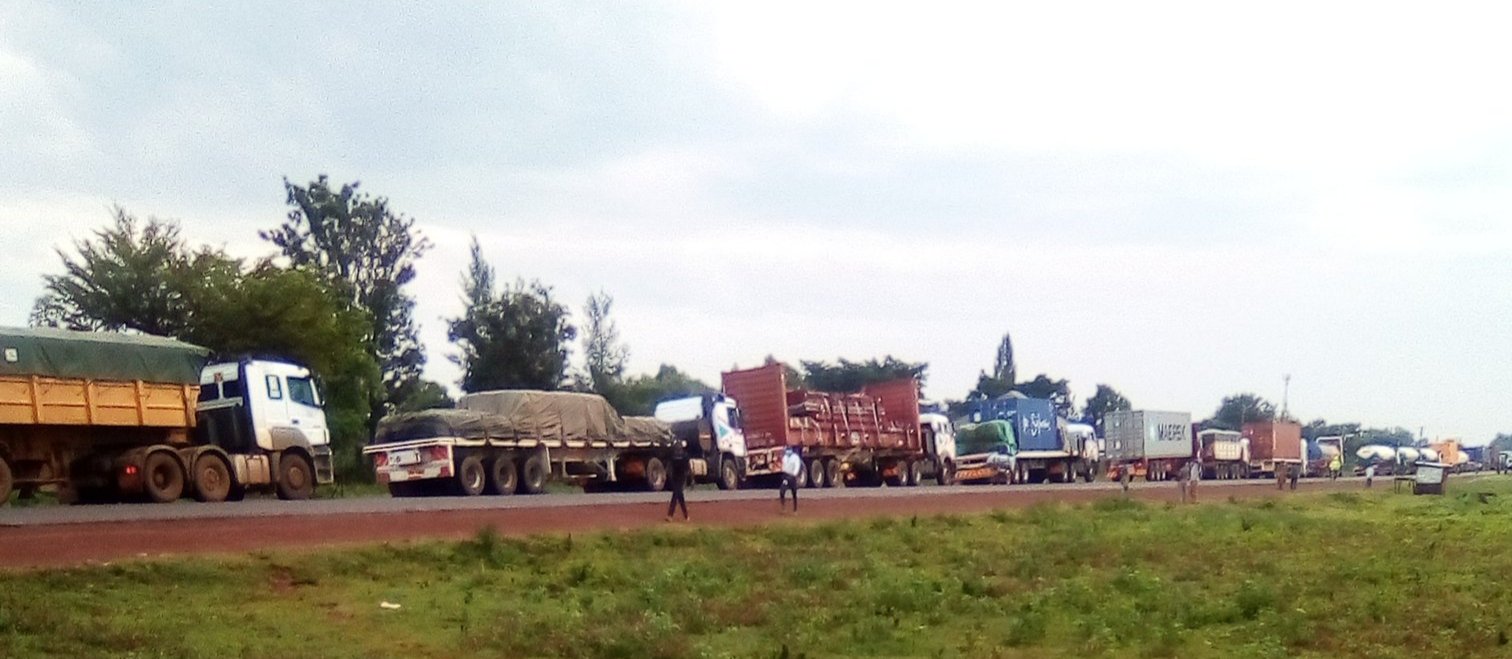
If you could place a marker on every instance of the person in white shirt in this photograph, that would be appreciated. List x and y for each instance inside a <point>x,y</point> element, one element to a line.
<point>792,468</point>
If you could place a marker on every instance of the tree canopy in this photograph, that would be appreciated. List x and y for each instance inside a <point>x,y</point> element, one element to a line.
<point>1056,391</point>
<point>1099,404</point>
<point>1239,409</point>
<point>846,376</point>
<point>515,338</point>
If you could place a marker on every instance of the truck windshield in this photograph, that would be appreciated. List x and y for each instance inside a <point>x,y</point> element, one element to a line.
<point>302,391</point>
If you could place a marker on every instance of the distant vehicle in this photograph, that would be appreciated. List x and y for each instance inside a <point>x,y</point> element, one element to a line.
<point>712,422</point>
<point>1224,454</point>
<point>1049,449</point>
<point>1149,444</point>
<point>1328,447</point>
<point>986,452</point>
<point>873,437</point>
<point>508,441</point>
<point>1273,445</point>
<point>106,416</point>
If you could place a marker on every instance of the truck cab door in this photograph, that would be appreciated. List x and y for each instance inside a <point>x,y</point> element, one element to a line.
<point>305,408</point>
<point>729,437</point>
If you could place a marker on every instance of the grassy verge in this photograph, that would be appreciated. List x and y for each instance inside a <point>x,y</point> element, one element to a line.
<point>1368,573</point>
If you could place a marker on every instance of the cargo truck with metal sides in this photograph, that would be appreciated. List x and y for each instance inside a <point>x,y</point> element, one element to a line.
<point>1150,445</point>
<point>1046,450</point>
<point>1224,454</point>
<point>867,438</point>
<point>1273,443</point>
<point>503,442</point>
<point>106,416</point>
<point>710,426</point>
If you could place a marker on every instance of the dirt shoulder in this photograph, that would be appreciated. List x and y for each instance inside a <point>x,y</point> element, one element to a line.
<point>42,546</point>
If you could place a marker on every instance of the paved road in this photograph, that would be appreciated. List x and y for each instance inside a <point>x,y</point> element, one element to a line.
<point>377,505</point>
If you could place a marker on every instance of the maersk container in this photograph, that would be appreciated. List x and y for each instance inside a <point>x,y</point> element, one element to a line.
<point>1132,435</point>
<point>1034,421</point>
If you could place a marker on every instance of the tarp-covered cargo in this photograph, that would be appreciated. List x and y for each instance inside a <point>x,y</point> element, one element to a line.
<point>56,353</point>
<point>552,418</point>
<point>978,438</point>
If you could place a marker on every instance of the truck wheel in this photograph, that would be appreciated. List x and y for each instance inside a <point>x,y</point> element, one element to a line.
<point>1089,473</point>
<point>296,477</point>
<point>533,474</point>
<point>503,476</point>
<point>899,477</point>
<point>729,477</point>
<point>212,479</point>
<point>162,477</point>
<point>915,474</point>
<point>815,473</point>
<point>945,473</point>
<point>7,481</point>
<point>470,476</point>
<point>833,477</point>
<point>656,475</point>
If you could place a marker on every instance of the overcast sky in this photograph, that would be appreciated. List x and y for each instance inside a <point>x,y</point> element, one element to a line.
<point>1181,200</point>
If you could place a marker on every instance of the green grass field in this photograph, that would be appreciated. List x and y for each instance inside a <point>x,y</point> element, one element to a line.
<point>1366,574</point>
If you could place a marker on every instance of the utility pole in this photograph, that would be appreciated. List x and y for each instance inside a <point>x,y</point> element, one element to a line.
<point>1285,392</point>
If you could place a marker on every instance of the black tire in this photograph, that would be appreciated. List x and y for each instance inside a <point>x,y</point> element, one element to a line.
<point>296,477</point>
<point>533,474</point>
<point>899,477</point>
<point>815,472</point>
<point>833,476</point>
<point>470,478</point>
<point>7,481</point>
<point>1090,473</point>
<point>656,475</point>
<point>915,474</point>
<point>211,479</point>
<point>729,476</point>
<point>503,476</point>
<point>162,477</point>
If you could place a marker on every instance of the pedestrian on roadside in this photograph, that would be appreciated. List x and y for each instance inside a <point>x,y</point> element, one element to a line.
<point>1280,477</point>
<point>1336,467</point>
<point>678,480</point>
<point>1123,479</point>
<point>1194,469</point>
<point>1369,475</point>
<point>1295,472</point>
<point>792,468</point>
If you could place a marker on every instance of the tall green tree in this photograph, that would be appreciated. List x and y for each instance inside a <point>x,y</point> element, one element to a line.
<point>1106,399</point>
<point>847,376</point>
<point>638,395</point>
<point>517,338</point>
<point>1236,410</point>
<point>604,356</point>
<point>1056,391</point>
<point>369,252</point>
<point>1004,374</point>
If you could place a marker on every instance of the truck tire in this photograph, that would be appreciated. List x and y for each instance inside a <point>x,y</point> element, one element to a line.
<point>815,473</point>
<point>211,479</point>
<point>503,476</point>
<point>470,476</point>
<point>656,475</point>
<point>899,477</point>
<point>162,477</point>
<point>7,481</point>
<point>1089,473</point>
<point>533,474</point>
<point>729,476</point>
<point>915,473</point>
<point>296,477</point>
<point>945,473</point>
<point>833,476</point>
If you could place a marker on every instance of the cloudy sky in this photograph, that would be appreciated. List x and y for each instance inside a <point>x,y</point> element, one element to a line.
<point>1181,200</point>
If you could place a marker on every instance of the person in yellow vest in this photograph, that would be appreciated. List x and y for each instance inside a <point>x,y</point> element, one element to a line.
<point>1336,467</point>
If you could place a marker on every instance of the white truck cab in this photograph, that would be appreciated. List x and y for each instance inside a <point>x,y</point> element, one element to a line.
<point>712,422</point>
<point>268,417</point>
<point>939,439</point>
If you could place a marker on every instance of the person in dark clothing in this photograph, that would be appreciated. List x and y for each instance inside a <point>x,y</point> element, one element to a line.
<point>678,480</point>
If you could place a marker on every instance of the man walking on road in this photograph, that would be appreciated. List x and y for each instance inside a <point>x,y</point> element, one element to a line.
<point>1182,484</point>
<point>792,468</point>
<point>1194,474</point>
<point>1295,471</point>
<point>677,479</point>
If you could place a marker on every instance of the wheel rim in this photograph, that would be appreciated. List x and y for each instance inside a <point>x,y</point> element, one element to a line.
<point>296,476</point>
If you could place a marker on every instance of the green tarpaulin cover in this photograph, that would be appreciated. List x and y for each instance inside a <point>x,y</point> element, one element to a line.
<point>99,356</point>
<point>978,438</point>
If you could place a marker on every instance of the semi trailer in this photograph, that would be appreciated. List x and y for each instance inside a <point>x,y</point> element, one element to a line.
<point>1273,445</point>
<point>1048,449</point>
<point>508,441</point>
<point>1224,454</point>
<point>1148,444</point>
<point>105,416</point>
<point>872,437</point>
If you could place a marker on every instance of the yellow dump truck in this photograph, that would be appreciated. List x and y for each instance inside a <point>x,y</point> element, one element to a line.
<point>106,416</point>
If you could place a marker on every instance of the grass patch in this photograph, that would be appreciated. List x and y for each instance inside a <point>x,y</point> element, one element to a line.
<point>1357,574</point>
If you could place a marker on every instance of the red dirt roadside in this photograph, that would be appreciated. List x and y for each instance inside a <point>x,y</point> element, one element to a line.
<point>61,545</point>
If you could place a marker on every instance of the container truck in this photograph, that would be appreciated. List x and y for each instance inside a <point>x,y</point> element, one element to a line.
<point>106,416</point>
<point>1327,448</point>
<point>985,453</point>
<point>503,442</point>
<point>867,438</point>
<point>1224,454</point>
<point>1149,444</point>
<point>1046,451</point>
<point>1273,443</point>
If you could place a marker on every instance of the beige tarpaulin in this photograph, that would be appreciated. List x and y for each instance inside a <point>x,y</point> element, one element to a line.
<point>551,417</point>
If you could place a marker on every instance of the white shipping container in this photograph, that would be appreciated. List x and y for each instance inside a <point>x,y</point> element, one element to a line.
<point>1146,434</point>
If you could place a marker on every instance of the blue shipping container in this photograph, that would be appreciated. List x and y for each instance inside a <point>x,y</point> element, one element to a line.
<point>1033,420</point>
